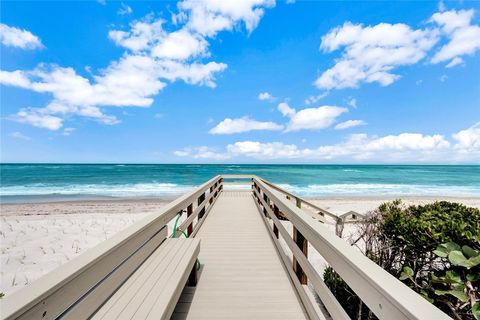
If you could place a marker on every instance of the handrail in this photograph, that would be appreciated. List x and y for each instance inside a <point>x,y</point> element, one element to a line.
<point>310,204</point>
<point>30,296</point>
<point>384,294</point>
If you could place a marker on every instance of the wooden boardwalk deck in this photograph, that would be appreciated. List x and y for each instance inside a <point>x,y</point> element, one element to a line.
<point>242,275</point>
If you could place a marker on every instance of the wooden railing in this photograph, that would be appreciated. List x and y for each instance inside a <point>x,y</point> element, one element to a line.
<point>79,287</point>
<point>386,296</point>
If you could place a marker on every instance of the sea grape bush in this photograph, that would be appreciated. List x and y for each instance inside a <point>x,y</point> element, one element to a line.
<point>433,248</point>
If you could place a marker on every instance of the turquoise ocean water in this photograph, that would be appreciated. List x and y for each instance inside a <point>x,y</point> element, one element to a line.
<point>53,182</point>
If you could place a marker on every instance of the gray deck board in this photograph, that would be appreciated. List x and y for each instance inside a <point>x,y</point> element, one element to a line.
<point>242,276</point>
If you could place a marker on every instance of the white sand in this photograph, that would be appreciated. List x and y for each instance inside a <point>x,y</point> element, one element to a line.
<point>37,238</point>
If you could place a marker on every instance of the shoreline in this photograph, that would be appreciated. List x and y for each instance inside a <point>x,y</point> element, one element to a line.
<point>360,197</point>
<point>36,238</point>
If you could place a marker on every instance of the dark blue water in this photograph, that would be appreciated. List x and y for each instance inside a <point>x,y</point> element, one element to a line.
<point>27,182</point>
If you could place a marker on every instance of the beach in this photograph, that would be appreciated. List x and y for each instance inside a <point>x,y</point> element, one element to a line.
<point>38,237</point>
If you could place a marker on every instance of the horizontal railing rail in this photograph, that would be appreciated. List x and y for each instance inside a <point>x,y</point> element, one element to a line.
<point>83,283</point>
<point>386,296</point>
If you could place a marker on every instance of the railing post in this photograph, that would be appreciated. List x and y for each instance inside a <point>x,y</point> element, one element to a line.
<point>267,201</point>
<point>189,213</point>
<point>199,201</point>
<point>211,198</point>
<point>302,243</point>
<point>276,211</point>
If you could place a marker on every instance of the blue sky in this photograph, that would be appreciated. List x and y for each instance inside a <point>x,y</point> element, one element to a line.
<point>242,82</point>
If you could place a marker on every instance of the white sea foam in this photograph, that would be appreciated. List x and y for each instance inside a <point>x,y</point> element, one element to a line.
<point>171,190</point>
<point>108,190</point>
<point>362,189</point>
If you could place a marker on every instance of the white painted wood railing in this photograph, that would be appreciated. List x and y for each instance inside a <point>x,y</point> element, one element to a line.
<point>385,295</point>
<point>78,288</point>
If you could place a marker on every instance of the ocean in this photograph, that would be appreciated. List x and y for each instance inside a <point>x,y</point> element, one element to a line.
<point>56,182</point>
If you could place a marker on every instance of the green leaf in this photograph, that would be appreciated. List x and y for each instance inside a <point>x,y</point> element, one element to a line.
<point>453,277</point>
<point>460,295</point>
<point>441,252</point>
<point>406,273</point>
<point>456,258</point>
<point>450,246</point>
<point>476,310</point>
<point>469,252</point>
<point>473,276</point>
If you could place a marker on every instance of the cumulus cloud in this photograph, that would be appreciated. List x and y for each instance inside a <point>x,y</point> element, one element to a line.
<point>19,38</point>
<point>202,152</point>
<point>314,99</point>
<point>124,9</point>
<point>371,53</point>
<point>265,96</point>
<point>245,124</point>
<point>350,124</point>
<point>362,147</point>
<point>208,17</point>
<point>153,57</point>
<point>310,118</point>
<point>468,139</point>
<point>464,37</point>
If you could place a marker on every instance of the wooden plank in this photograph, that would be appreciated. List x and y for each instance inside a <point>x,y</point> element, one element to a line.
<point>331,303</point>
<point>108,286</point>
<point>242,275</point>
<point>155,287</point>
<point>307,303</point>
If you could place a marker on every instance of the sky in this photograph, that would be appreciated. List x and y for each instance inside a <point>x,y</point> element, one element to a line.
<point>253,81</point>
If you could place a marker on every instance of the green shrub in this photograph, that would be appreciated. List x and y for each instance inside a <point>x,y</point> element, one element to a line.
<point>432,248</point>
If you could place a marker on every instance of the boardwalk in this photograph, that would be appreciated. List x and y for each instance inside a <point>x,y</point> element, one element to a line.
<point>246,273</point>
<point>242,275</point>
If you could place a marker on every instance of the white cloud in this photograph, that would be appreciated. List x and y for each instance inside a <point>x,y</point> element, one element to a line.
<point>314,99</point>
<point>68,131</point>
<point>371,53</point>
<point>245,124</point>
<point>441,6</point>
<point>153,57</point>
<point>19,135</point>
<point>443,78</point>
<point>310,118</point>
<point>265,96</point>
<point>350,124</point>
<point>14,37</point>
<point>180,45</point>
<point>468,139</point>
<point>352,102</point>
<point>360,147</point>
<point>464,37</point>
<point>202,152</point>
<point>455,62</point>
<point>124,9</point>
<point>37,119</point>
<point>16,78</point>
<point>208,17</point>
